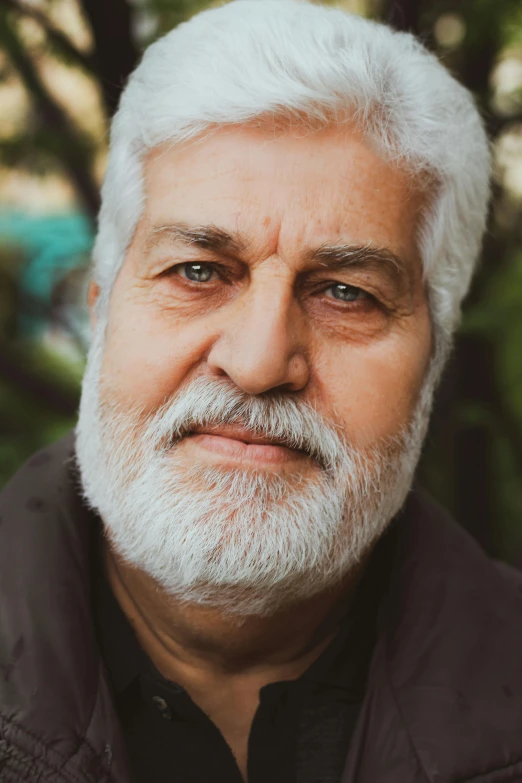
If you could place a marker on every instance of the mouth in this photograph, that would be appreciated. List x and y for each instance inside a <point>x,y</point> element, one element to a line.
<point>235,444</point>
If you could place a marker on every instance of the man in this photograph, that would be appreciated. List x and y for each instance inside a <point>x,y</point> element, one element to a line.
<point>228,577</point>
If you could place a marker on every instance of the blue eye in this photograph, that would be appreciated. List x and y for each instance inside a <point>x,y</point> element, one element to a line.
<point>346,293</point>
<point>197,273</point>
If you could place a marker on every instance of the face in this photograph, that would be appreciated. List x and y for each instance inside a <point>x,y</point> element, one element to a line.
<point>267,309</point>
<point>273,268</point>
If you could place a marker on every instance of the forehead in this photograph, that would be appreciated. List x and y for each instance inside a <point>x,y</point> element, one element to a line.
<point>285,192</point>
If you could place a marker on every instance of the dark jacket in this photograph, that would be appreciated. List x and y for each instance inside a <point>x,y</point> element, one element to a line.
<point>444,696</point>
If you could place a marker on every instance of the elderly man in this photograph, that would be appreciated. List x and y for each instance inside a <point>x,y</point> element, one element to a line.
<point>227,576</point>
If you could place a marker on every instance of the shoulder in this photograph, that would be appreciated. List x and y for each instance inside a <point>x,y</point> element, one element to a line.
<point>449,555</point>
<point>40,476</point>
<point>447,589</point>
<point>50,683</point>
<point>40,509</point>
<point>44,522</point>
<point>454,645</point>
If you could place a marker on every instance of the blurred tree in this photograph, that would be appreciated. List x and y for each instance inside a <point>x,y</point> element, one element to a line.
<point>58,134</point>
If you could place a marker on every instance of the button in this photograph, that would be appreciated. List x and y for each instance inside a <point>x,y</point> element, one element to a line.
<point>162,707</point>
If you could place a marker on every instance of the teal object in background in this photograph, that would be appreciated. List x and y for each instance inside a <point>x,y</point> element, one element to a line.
<point>53,246</point>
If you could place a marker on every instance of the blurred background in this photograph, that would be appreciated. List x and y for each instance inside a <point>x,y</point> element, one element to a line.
<point>62,66</point>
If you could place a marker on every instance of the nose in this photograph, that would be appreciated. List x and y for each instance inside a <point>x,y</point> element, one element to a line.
<point>261,346</point>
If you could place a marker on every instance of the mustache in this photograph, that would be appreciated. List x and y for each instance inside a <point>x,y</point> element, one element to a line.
<point>210,402</point>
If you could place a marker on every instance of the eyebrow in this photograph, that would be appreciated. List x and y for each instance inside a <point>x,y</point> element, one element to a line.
<point>363,256</point>
<point>208,237</point>
<point>333,256</point>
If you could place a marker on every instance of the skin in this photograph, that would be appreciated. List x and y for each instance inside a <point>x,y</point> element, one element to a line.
<point>268,320</point>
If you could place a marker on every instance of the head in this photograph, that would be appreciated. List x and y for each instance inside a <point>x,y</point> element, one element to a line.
<point>293,207</point>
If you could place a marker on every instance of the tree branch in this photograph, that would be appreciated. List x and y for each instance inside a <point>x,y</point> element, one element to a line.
<point>72,152</point>
<point>116,54</point>
<point>54,34</point>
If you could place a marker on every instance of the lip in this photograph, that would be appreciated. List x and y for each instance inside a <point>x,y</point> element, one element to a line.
<point>237,445</point>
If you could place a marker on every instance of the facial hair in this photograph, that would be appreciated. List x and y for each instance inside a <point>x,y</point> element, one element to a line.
<point>245,541</point>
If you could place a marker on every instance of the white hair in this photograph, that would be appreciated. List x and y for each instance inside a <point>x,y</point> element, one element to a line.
<point>256,58</point>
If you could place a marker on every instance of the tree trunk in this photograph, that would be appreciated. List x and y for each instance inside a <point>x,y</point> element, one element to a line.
<point>115,52</point>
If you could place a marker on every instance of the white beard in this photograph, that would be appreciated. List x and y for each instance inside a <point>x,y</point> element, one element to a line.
<point>246,541</point>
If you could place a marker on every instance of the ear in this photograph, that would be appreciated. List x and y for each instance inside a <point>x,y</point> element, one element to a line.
<point>92,297</point>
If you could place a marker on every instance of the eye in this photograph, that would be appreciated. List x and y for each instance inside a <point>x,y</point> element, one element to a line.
<point>346,293</point>
<point>197,273</point>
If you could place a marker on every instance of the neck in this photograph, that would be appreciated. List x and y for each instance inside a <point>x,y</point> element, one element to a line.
<point>181,637</point>
<point>223,661</point>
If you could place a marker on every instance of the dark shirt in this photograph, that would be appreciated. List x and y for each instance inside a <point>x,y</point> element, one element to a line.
<point>301,730</point>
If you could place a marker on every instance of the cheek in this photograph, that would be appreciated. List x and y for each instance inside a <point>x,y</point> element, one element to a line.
<point>148,356</point>
<point>372,390</point>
